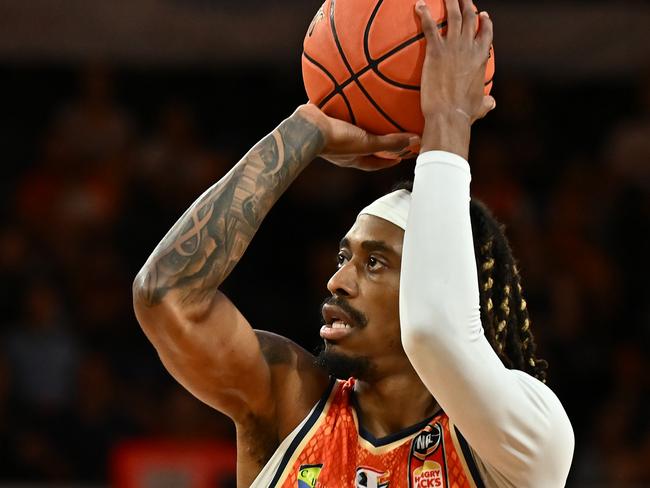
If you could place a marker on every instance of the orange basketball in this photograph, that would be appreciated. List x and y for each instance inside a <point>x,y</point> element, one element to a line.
<point>362,62</point>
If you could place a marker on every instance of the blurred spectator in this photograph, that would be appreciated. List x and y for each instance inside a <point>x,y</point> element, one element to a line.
<point>97,421</point>
<point>619,443</point>
<point>628,147</point>
<point>75,190</point>
<point>94,128</point>
<point>15,263</point>
<point>41,349</point>
<point>174,165</point>
<point>42,355</point>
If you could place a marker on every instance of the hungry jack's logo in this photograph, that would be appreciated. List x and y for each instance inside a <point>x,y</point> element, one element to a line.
<point>429,475</point>
<point>427,460</point>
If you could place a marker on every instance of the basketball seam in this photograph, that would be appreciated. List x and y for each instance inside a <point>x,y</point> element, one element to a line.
<point>351,79</point>
<point>374,63</point>
<point>356,80</point>
<point>338,89</point>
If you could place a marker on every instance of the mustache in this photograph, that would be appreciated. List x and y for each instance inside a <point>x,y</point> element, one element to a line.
<point>358,318</point>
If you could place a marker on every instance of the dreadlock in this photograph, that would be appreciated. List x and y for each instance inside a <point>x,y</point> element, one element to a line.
<point>504,313</point>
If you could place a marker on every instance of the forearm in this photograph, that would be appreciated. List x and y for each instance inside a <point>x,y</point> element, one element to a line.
<point>439,297</point>
<point>205,244</point>
<point>509,418</point>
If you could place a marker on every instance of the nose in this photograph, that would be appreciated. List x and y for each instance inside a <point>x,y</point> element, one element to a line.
<point>344,281</point>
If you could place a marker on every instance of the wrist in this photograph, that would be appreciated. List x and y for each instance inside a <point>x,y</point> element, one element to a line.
<point>313,116</point>
<point>447,131</point>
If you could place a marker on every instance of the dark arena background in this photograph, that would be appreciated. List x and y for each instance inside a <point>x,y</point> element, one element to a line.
<point>115,116</point>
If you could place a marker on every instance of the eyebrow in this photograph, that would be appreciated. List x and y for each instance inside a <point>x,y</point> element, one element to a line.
<point>370,246</point>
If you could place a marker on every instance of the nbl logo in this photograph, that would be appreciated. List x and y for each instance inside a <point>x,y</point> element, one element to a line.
<point>427,441</point>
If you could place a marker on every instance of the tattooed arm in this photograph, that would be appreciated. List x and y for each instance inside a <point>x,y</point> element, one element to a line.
<point>209,239</point>
<point>201,337</point>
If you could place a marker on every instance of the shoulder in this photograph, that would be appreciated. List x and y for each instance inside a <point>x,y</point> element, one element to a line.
<point>278,349</point>
<point>297,383</point>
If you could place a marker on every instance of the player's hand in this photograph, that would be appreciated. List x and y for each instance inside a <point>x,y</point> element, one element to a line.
<point>451,93</point>
<point>348,146</point>
<point>454,65</point>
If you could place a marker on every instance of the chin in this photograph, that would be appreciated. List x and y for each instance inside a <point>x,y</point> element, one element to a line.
<point>344,365</point>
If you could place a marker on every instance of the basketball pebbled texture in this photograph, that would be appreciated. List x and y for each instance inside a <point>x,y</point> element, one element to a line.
<point>362,62</point>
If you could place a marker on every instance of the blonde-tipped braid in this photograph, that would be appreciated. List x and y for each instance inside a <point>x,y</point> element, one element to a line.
<point>537,366</point>
<point>504,311</point>
<point>485,277</point>
<point>504,315</point>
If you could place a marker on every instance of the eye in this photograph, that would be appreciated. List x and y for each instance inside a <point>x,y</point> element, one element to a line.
<point>340,259</point>
<point>373,263</point>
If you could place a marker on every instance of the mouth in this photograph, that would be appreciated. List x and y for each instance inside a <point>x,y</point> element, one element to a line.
<point>337,323</point>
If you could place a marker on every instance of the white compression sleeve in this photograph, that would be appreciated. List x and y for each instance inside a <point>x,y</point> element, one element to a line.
<point>513,422</point>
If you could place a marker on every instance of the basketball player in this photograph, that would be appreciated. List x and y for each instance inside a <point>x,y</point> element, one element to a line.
<point>426,327</point>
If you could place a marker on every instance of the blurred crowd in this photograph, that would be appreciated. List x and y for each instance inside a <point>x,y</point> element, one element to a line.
<point>566,168</point>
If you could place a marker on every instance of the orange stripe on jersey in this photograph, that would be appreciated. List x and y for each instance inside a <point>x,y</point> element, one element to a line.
<point>333,451</point>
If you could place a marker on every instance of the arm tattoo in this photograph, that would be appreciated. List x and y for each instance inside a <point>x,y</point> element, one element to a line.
<point>199,252</point>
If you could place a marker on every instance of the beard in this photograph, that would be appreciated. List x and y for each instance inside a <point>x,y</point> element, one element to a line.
<point>344,366</point>
<point>339,365</point>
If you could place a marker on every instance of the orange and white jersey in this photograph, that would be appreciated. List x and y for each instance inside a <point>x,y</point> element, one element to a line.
<point>330,449</point>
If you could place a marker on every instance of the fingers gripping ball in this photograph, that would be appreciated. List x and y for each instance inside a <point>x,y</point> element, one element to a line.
<point>362,62</point>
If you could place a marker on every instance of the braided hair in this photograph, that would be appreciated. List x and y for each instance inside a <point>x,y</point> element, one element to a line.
<point>504,313</point>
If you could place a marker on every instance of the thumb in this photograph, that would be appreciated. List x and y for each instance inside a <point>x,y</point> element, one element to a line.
<point>488,105</point>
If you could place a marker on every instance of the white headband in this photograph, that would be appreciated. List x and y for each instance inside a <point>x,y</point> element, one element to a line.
<point>393,207</point>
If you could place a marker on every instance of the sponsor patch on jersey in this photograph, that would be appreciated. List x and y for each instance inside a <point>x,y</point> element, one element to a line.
<point>367,477</point>
<point>308,475</point>
<point>427,441</point>
<point>427,465</point>
<point>429,475</point>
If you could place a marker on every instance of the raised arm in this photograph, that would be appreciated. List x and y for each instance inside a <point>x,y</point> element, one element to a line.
<point>201,337</point>
<point>513,422</point>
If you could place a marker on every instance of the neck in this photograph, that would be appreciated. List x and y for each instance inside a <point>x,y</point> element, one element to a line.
<point>393,403</point>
